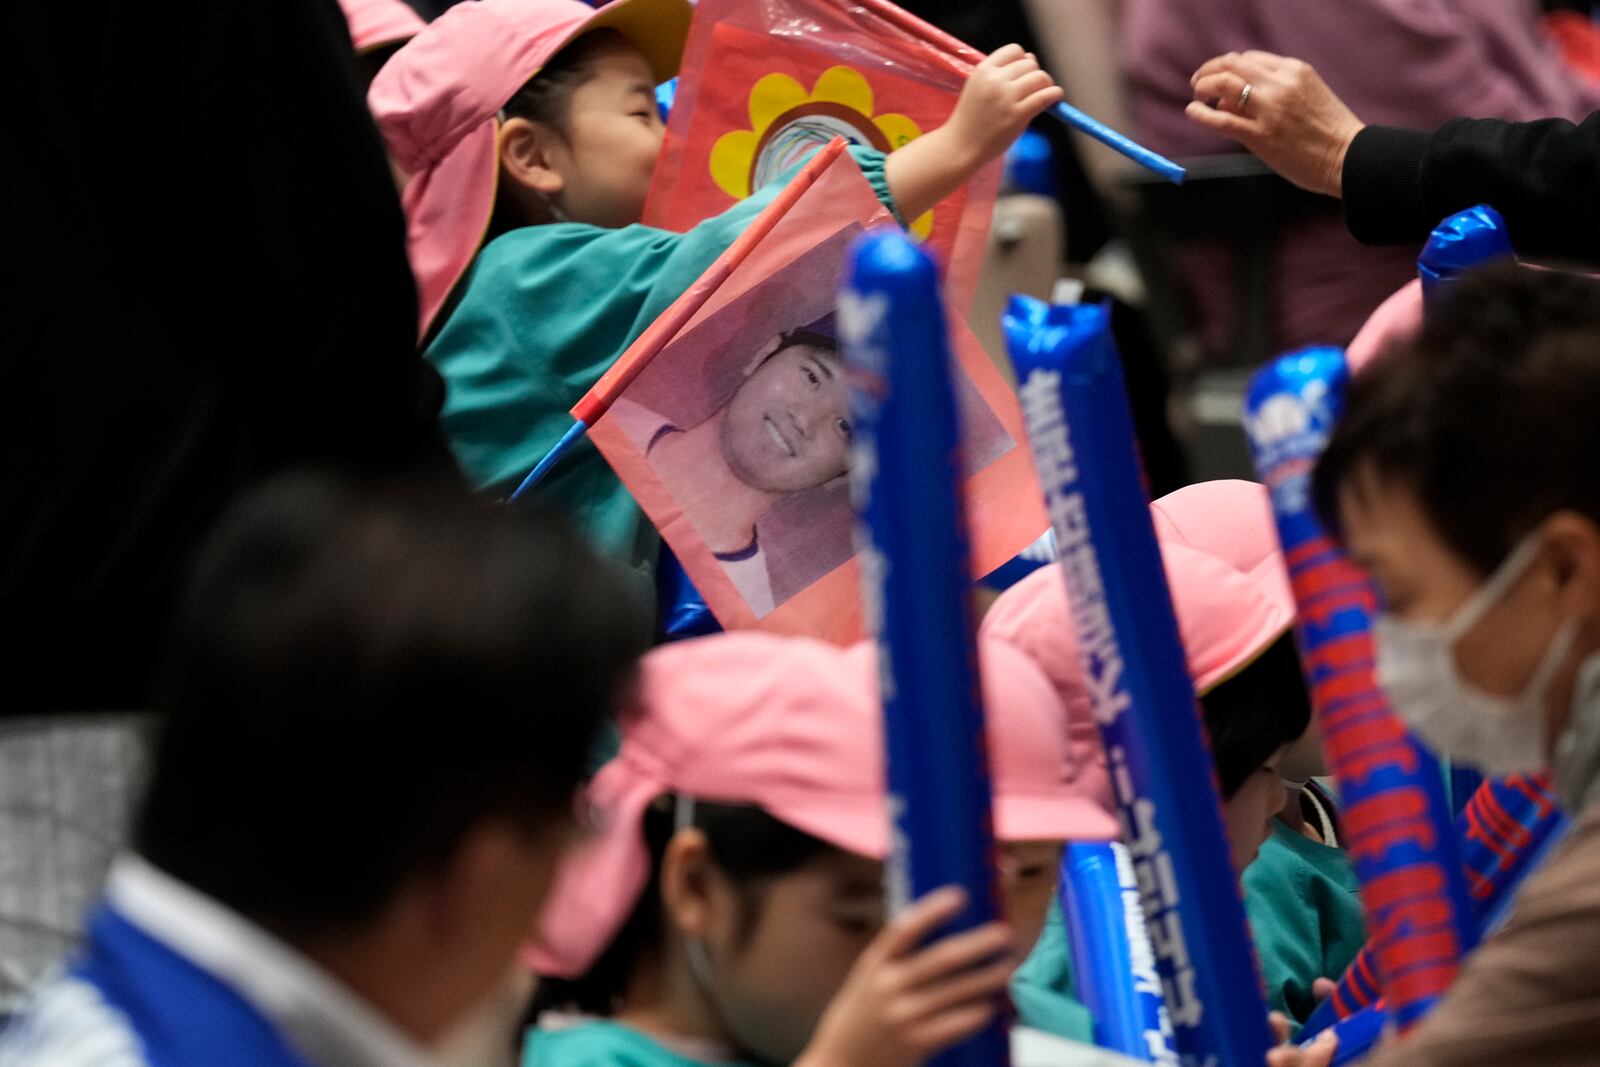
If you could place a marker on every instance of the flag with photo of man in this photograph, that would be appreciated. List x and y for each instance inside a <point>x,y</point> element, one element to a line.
<point>729,421</point>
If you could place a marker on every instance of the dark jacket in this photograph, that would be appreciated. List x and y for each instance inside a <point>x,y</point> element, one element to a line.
<point>210,286</point>
<point>1543,177</point>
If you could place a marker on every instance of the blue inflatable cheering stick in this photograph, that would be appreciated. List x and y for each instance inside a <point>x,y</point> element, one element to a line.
<point>1076,409</point>
<point>905,469</point>
<point>1114,964</point>
<point>1462,242</point>
<point>1399,832</point>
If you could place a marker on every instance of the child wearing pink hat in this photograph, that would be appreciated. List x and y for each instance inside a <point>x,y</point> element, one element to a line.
<point>530,131</point>
<point>729,908</point>
<point>1045,797</point>
<point>1235,611</point>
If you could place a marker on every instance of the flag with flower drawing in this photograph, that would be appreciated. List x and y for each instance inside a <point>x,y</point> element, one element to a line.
<point>765,83</point>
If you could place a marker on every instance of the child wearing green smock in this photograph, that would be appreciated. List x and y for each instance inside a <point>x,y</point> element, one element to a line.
<point>1303,902</point>
<point>592,1042</point>
<point>1234,608</point>
<point>544,311</point>
<point>1042,990</point>
<point>529,130</point>
<point>751,927</point>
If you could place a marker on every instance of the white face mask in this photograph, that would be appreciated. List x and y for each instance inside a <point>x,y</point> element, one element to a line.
<point>1417,669</point>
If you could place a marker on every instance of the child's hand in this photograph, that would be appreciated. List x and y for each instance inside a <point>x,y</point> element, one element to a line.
<point>1002,95</point>
<point>905,1001</point>
<point>1318,1054</point>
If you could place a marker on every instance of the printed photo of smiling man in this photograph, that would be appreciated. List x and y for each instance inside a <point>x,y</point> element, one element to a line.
<point>735,437</point>
<point>783,430</point>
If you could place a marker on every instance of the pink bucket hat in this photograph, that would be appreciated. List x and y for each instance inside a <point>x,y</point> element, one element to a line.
<point>1031,617</point>
<point>438,99</point>
<point>1230,591</point>
<point>1039,792</point>
<point>738,718</point>
<point>1230,586</point>
<point>376,23</point>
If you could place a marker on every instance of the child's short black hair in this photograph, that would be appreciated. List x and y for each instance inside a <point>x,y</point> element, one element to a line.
<point>546,98</point>
<point>1256,712</point>
<point>1490,415</point>
<point>362,674</point>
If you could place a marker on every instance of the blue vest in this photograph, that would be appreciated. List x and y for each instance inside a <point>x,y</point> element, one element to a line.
<point>183,1015</point>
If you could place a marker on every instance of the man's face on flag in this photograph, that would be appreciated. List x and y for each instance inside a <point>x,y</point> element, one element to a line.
<point>788,425</point>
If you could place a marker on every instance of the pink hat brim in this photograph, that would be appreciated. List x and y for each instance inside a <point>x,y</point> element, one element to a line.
<point>1051,818</point>
<point>448,207</point>
<point>376,24</point>
<point>600,882</point>
<point>854,824</point>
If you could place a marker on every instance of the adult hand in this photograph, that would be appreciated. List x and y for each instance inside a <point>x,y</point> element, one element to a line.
<point>1281,110</point>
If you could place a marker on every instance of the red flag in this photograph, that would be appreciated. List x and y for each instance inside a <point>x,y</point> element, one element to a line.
<point>763,83</point>
<point>730,424</point>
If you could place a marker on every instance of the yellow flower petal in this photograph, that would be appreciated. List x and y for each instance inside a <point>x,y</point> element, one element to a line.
<point>842,85</point>
<point>900,130</point>
<point>731,159</point>
<point>923,226</point>
<point>771,97</point>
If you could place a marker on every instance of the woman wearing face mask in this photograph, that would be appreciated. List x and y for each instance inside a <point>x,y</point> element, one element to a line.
<point>1465,476</point>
